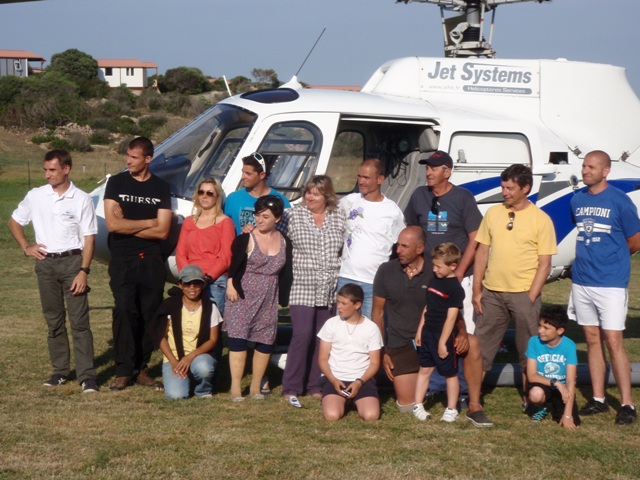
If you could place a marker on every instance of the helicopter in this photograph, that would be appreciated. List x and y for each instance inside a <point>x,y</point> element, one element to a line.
<point>487,113</point>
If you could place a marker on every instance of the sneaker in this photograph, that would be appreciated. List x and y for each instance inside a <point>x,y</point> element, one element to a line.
<point>594,407</point>
<point>420,413</point>
<point>89,386</point>
<point>463,403</point>
<point>539,414</point>
<point>55,380</point>
<point>294,402</point>
<point>120,383</point>
<point>479,419</point>
<point>450,415</point>
<point>626,415</point>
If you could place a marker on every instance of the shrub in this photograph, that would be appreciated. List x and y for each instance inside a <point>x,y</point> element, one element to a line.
<point>149,124</point>
<point>46,100</point>
<point>47,137</point>
<point>104,123</point>
<point>58,142</point>
<point>100,136</point>
<point>123,146</point>
<point>79,142</point>
<point>150,99</point>
<point>187,80</point>
<point>122,95</point>
<point>128,126</point>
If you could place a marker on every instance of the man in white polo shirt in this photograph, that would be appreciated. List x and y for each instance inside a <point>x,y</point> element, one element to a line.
<point>65,225</point>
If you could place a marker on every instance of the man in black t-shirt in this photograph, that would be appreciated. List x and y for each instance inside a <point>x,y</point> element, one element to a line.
<point>137,209</point>
<point>398,299</point>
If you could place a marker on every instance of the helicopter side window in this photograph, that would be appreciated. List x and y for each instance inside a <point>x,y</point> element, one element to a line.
<point>292,150</point>
<point>346,157</point>
<point>495,148</point>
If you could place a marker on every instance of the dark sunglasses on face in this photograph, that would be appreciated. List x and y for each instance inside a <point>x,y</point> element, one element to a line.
<point>512,217</point>
<point>208,193</point>
<point>194,283</point>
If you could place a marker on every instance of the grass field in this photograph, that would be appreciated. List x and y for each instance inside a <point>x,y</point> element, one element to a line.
<point>60,433</point>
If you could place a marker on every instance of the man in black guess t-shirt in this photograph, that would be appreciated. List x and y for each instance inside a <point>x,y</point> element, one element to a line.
<point>137,208</point>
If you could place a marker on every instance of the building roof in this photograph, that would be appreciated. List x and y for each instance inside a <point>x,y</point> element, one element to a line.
<point>21,54</point>
<point>124,63</point>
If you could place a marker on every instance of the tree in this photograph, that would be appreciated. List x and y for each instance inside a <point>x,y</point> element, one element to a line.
<point>81,68</point>
<point>189,80</point>
<point>75,63</point>
<point>266,77</point>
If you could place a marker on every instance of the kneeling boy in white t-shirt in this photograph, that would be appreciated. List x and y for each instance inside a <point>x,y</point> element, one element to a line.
<point>349,358</point>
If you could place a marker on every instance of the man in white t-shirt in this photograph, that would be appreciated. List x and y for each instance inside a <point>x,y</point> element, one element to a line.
<point>373,223</point>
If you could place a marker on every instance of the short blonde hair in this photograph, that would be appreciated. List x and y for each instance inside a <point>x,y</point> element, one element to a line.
<point>448,252</point>
<point>324,185</point>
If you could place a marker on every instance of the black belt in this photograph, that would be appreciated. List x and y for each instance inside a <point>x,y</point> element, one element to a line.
<point>68,253</point>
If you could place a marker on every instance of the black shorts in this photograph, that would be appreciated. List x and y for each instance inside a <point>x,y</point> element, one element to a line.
<point>405,359</point>
<point>552,395</point>
<point>369,389</point>
<point>428,353</point>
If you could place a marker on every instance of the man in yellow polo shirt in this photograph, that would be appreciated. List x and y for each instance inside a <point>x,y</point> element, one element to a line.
<point>515,243</point>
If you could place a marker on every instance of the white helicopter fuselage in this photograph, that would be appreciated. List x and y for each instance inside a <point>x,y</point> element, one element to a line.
<point>487,113</point>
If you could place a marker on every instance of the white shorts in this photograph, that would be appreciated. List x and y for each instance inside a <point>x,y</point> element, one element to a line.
<point>604,307</point>
<point>468,312</point>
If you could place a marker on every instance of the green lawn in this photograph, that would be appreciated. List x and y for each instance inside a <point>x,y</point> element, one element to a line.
<point>59,433</point>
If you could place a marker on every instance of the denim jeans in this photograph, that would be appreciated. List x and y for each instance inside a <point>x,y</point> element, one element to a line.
<point>201,371</point>
<point>368,294</point>
<point>218,290</point>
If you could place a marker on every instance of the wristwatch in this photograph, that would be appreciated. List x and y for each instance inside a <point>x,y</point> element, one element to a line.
<point>553,382</point>
<point>86,270</point>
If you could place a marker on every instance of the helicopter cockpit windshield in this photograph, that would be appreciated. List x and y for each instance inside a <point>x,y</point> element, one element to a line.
<point>206,148</point>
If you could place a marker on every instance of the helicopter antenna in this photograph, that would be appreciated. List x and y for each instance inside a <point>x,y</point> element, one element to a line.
<point>309,54</point>
<point>464,34</point>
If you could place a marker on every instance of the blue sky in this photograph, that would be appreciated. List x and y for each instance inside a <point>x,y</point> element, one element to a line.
<point>232,37</point>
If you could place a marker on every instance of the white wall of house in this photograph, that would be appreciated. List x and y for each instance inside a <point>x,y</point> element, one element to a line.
<point>18,67</point>
<point>132,77</point>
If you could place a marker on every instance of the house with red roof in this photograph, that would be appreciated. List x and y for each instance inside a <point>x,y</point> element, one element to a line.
<point>16,62</point>
<point>130,72</point>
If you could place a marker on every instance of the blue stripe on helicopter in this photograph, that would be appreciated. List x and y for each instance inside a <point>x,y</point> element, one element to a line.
<point>559,209</point>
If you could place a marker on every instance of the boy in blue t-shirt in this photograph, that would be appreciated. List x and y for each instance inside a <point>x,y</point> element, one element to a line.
<point>552,366</point>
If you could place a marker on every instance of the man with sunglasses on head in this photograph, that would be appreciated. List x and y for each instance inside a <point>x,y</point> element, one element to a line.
<point>239,204</point>
<point>513,260</point>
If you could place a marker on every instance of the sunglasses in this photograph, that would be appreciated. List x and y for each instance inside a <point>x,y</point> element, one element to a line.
<point>193,283</point>
<point>435,206</point>
<point>208,193</point>
<point>260,159</point>
<point>512,217</point>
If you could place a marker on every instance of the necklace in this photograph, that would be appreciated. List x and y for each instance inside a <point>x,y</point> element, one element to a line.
<point>354,328</point>
<point>411,272</point>
<point>191,312</point>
